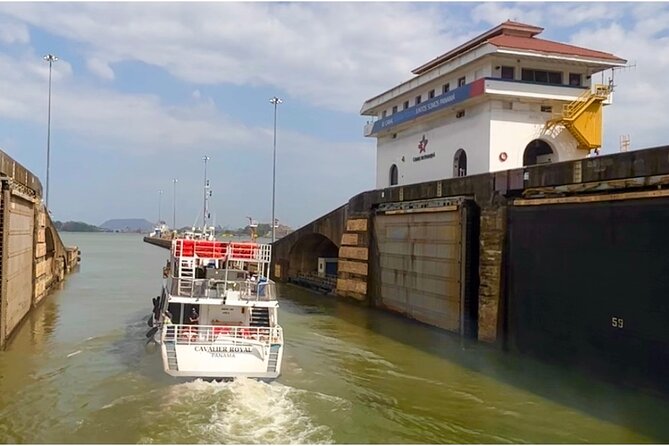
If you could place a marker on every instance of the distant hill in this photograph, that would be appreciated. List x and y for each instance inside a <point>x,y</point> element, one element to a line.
<point>128,225</point>
<point>76,226</point>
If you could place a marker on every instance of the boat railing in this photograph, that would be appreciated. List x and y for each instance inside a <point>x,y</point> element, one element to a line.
<point>251,290</point>
<point>248,252</point>
<point>182,334</point>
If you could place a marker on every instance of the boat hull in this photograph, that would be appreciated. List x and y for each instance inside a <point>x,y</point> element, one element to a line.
<point>225,358</point>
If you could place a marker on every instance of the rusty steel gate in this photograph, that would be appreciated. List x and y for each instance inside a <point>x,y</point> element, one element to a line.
<point>428,261</point>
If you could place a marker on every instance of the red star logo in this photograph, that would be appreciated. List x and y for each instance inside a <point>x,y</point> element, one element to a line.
<point>422,145</point>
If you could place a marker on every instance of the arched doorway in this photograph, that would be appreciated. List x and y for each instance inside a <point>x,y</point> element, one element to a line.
<point>393,175</point>
<point>538,152</point>
<point>460,163</point>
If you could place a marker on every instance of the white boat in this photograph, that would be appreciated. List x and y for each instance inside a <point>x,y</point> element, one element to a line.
<point>237,334</point>
<point>160,231</point>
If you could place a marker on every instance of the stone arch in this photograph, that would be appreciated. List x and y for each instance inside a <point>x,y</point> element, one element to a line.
<point>394,175</point>
<point>539,151</point>
<point>304,254</point>
<point>460,163</point>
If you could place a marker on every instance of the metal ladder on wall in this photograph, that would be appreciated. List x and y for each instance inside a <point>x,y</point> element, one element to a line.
<point>186,276</point>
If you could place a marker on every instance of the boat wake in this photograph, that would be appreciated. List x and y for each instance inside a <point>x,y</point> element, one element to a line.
<point>242,411</point>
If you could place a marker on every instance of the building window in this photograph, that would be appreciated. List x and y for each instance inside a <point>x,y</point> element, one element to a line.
<point>418,99</point>
<point>460,163</point>
<point>445,89</point>
<point>541,76</point>
<point>461,81</point>
<point>459,113</point>
<point>394,109</point>
<point>431,94</point>
<point>406,105</point>
<point>507,73</point>
<point>546,109</point>
<point>575,79</point>
<point>383,114</point>
<point>393,175</point>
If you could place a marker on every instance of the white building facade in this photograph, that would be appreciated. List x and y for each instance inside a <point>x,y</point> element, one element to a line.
<point>483,107</point>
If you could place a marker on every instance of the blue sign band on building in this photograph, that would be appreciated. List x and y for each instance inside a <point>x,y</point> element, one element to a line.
<point>449,99</point>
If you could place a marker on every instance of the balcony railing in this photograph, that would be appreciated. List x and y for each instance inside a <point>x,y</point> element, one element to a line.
<point>263,290</point>
<point>182,334</point>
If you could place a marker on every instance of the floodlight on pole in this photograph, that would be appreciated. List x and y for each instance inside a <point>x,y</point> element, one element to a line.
<point>51,59</point>
<point>274,101</point>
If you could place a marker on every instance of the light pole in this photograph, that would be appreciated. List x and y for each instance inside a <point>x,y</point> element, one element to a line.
<point>206,187</point>
<point>160,199</point>
<point>275,101</point>
<point>174,205</point>
<point>51,59</point>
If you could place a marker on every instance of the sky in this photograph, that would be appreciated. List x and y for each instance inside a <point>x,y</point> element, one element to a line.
<point>142,91</point>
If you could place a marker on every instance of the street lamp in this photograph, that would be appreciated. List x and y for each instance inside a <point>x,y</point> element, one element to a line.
<point>206,187</point>
<point>51,59</point>
<point>274,101</point>
<point>174,205</point>
<point>160,199</point>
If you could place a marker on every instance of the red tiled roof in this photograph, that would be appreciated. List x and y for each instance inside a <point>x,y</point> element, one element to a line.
<point>518,36</point>
<point>547,46</point>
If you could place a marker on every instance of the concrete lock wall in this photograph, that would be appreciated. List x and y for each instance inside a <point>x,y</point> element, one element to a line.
<point>32,256</point>
<point>18,274</point>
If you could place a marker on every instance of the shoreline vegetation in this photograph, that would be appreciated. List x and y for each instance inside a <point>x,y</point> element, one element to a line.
<point>263,229</point>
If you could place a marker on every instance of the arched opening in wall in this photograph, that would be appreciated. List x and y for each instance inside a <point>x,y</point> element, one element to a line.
<point>460,163</point>
<point>393,175</point>
<point>50,245</point>
<point>305,254</point>
<point>538,152</point>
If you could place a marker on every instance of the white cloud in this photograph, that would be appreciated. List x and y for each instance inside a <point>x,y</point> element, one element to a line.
<point>494,13</point>
<point>326,54</point>
<point>100,68</point>
<point>12,32</point>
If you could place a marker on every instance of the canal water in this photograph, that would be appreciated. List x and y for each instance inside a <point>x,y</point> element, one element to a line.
<point>78,371</point>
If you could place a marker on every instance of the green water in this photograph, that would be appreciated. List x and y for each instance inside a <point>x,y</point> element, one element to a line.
<point>78,371</point>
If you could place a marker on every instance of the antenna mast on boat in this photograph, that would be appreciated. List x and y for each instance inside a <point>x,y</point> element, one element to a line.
<point>207,194</point>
